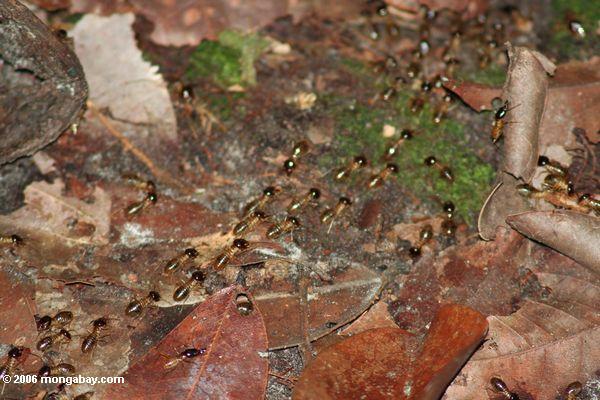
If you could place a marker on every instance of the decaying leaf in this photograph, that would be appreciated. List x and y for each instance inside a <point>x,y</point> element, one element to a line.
<point>390,363</point>
<point>377,316</point>
<point>541,348</point>
<point>66,218</point>
<point>230,366</point>
<point>468,8</point>
<point>119,78</point>
<point>17,324</point>
<point>574,234</point>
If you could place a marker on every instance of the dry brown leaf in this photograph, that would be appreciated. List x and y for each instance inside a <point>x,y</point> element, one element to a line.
<point>526,87</point>
<point>377,316</point>
<point>66,218</point>
<point>119,78</point>
<point>468,8</point>
<point>530,348</point>
<point>573,234</point>
<point>17,324</point>
<point>388,363</point>
<point>231,368</point>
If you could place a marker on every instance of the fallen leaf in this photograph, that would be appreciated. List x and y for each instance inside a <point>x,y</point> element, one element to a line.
<point>17,324</point>
<point>574,234</point>
<point>52,5</point>
<point>377,316</point>
<point>231,366</point>
<point>66,218</point>
<point>119,78</point>
<point>530,348</point>
<point>102,7</point>
<point>468,8</point>
<point>387,362</point>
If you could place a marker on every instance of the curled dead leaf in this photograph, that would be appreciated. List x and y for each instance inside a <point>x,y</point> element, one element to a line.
<point>573,234</point>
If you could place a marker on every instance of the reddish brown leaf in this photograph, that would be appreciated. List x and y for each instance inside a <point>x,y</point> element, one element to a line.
<point>384,362</point>
<point>231,367</point>
<point>477,96</point>
<point>468,8</point>
<point>377,316</point>
<point>526,88</point>
<point>15,312</point>
<point>541,348</point>
<point>52,5</point>
<point>574,234</point>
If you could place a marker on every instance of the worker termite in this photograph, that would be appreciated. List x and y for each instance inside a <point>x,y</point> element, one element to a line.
<point>445,172</point>
<point>147,186</point>
<point>330,213</point>
<point>183,291</point>
<point>10,364</point>
<point>442,109</point>
<point>60,369</point>
<point>592,204</point>
<point>555,183</point>
<point>229,252</point>
<point>287,225</point>
<point>46,343</point>
<point>425,236</point>
<point>249,222</point>
<point>392,150</point>
<point>448,226</point>
<point>243,304</point>
<point>499,386</point>
<point>137,306</point>
<point>413,70</point>
<point>576,28</point>
<point>416,104</point>
<point>357,163</point>
<point>174,263</point>
<point>377,180</point>
<point>62,318</point>
<point>13,240</point>
<point>499,121</point>
<point>137,207</point>
<point>572,390</point>
<point>552,167</point>
<point>267,195</point>
<point>299,150</point>
<point>299,203</point>
<point>90,342</point>
<point>185,355</point>
<point>388,93</point>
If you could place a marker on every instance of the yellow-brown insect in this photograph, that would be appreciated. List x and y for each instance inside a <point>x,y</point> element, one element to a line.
<point>260,203</point>
<point>12,359</point>
<point>377,180</point>
<point>552,167</point>
<point>46,343</point>
<point>137,306</point>
<point>442,108</point>
<point>61,369</point>
<point>185,355</point>
<point>557,199</point>
<point>499,121</point>
<point>445,172</point>
<point>137,207</point>
<point>62,318</point>
<point>13,240</point>
<point>586,200</point>
<point>299,150</point>
<point>357,163</point>
<point>248,223</point>
<point>183,291</point>
<point>393,149</point>
<point>499,386</point>
<point>174,263</point>
<point>147,186</point>
<point>572,390</point>
<point>424,236</point>
<point>556,183</point>
<point>329,214</point>
<point>90,342</point>
<point>298,204</point>
<point>287,225</point>
<point>229,252</point>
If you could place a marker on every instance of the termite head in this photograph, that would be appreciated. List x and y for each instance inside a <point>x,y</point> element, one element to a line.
<point>241,244</point>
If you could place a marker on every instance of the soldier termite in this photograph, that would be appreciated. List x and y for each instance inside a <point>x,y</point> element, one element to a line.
<point>258,204</point>
<point>185,355</point>
<point>425,236</point>
<point>392,150</point>
<point>137,207</point>
<point>499,386</point>
<point>174,263</point>
<point>47,342</point>
<point>357,163</point>
<point>377,180</point>
<point>287,225</point>
<point>137,306</point>
<point>330,214</point>
<point>183,291</point>
<point>248,223</point>
<point>445,172</point>
<point>243,304</point>
<point>298,204</point>
<point>229,252</point>
<point>299,150</point>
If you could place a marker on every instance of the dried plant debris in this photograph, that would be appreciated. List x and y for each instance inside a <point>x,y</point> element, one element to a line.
<point>42,85</point>
<point>533,350</point>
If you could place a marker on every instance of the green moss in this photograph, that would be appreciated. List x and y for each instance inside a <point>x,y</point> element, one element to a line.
<point>359,131</point>
<point>229,61</point>
<point>493,75</point>
<point>563,42</point>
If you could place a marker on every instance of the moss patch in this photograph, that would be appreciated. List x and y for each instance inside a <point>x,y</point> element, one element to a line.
<point>228,61</point>
<point>359,131</point>
<point>493,75</point>
<point>563,42</point>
